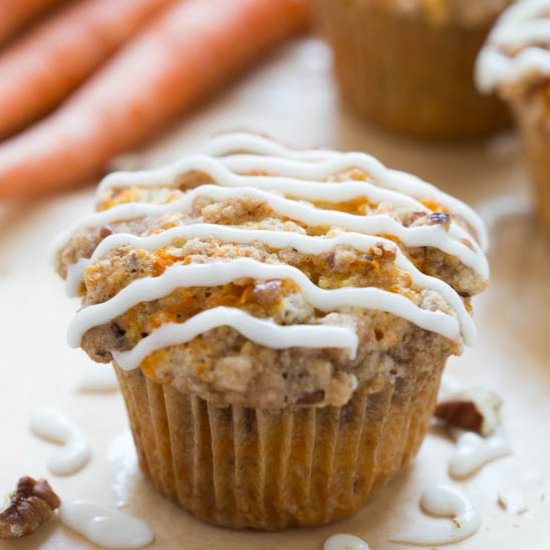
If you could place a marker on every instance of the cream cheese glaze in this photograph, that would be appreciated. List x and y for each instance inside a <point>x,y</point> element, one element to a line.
<point>105,527</point>
<point>344,541</point>
<point>278,159</point>
<point>308,214</point>
<point>300,176</point>
<point>518,48</point>
<point>443,502</point>
<point>263,332</point>
<point>54,426</point>
<point>473,452</point>
<point>221,273</point>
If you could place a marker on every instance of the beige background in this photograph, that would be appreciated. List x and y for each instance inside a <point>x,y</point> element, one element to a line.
<point>292,97</point>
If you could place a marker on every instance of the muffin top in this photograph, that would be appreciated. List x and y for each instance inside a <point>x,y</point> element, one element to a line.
<point>268,276</point>
<point>516,58</point>
<point>467,12</point>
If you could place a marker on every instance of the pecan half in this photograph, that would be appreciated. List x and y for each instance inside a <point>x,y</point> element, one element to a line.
<point>474,411</point>
<point>32,505</point>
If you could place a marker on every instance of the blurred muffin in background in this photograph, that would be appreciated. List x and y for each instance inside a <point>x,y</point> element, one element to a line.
<point>408,65</point>
<point>516,63</point>
<point>278,320</point>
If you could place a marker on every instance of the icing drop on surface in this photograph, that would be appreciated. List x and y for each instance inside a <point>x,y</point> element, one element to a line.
<point>525,26</point>
<point>54,426</point>
<point>260,331</point>
<point>219,273</point>
<point>98,379</point>
<point>345,542</point>
<point>106,527</point>
<point>443,502</point>
<point>472,452</point>
<point>123,458</point>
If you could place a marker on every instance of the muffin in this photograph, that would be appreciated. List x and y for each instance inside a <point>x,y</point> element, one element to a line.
<point>278,321</point>
<point>516,62</point>
<point>408,66</point>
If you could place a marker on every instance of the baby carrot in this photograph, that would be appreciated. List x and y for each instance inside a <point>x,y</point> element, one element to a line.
<point>185,54</point>
<point>49,62</point>
<point>15,14</point>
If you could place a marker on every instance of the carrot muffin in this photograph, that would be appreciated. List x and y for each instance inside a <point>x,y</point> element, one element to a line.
<point>408,66</point>
<point>278,320</point>
<point>516,62</point>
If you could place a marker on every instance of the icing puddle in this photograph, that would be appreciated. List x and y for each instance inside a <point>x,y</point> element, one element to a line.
<point>345,542</point>
<point>106,527</point>
<point>443,502</point>
<point>472,452</point>
<point>52,425</point>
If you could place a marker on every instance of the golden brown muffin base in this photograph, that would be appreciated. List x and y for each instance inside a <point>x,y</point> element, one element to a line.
<point>409,74</point>
<point>532,113</point>
<point>271,469</point>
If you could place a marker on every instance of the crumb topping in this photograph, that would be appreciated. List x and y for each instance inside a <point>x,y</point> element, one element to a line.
<point>221,364</point>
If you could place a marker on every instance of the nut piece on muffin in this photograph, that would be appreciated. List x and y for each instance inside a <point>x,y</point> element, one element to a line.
<point>409,66</point>
<point>516,63</point>
<point>278,320</point>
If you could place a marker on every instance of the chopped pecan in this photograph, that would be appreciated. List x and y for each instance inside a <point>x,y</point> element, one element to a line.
<point>105,231</point>
<point>474,411</point>
<point>268,293</point>
<point>32,505</point>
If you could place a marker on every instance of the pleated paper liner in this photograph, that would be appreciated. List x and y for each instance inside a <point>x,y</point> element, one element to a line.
<point>532,114</point>
<point>243,467</point>
<point>408,73</point>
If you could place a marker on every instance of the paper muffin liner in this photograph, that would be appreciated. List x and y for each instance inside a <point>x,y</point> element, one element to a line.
<point>270,469</point>
<point>533,117</point>
<point>408,73</point>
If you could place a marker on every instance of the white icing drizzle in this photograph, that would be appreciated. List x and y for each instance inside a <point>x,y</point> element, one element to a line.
<point>434,236</point>
<point>300,176</point>
<point>146,289</point>
<point>52,425</point>
<point>344,541</point>
<point>303,243</point>
<point>123,458</point>
<point>244,142</point>
<point>473,452</point>
<point>96,379</point>
<point>169,176</point>
<point>74,277</point>
<point>106,527</point>
<point>322,164</point>
<point>525,26</point>
<point>260,331</point>
<point>445,502</point>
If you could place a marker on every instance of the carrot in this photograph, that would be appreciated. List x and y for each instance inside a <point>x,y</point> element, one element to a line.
<point>15,14</point>
<point>52,60</point>
<point>188,52</point>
